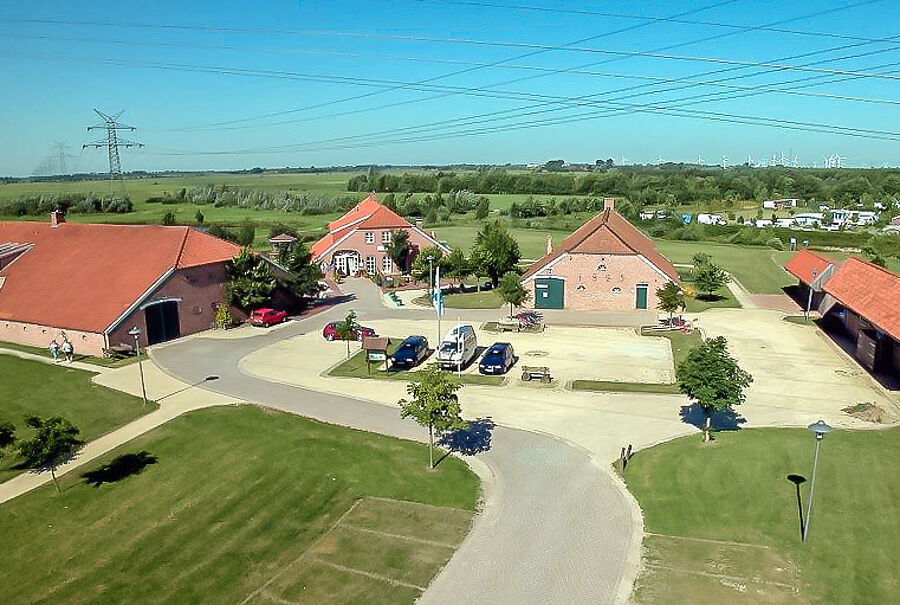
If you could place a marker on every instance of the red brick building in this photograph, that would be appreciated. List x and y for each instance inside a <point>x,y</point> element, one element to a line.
<point>607,264</point>
<point>357,242</point>
<point>96,282</point>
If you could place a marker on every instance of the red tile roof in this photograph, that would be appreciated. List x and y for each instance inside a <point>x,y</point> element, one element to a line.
<point>607,233</point>
<point>807,265</point>
<point>83,277</point>
<point>870,291</point>
<point>367,214</point>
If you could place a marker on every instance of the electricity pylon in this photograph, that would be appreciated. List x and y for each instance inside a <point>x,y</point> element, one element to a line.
<point>112,143</point>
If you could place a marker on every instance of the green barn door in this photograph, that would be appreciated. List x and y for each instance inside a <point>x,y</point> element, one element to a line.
<point>549,293</point>
<point>641,296</point>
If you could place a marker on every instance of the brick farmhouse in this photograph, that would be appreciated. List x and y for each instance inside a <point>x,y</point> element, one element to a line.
<point>95,282</point>
<point>357,242</point>
<point>607,264</point>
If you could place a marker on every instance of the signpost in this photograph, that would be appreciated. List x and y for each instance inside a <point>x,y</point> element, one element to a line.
<point>376,351</point>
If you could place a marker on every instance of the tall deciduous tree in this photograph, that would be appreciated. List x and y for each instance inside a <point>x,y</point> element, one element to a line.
<point>427,261</point>
<point>458,266</point>
<point>398,248</point>
<point>433,403</point>
<point>511,291</point>
<point>54,440</point>
<point>483,208</point>
<point>712,378</point>
<point>710,277</point>
<point>671,299</point>
<point>495,252</point>
<point>250,280</point>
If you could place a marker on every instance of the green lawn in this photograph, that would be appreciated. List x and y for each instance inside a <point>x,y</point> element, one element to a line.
<point>106,362</point>
<point>722,299</point>
<point>735,492</point>
<point>241,499</point>
<point>532,242</point>
<point>355,367</point>
<point>32,387</point>
<point>758,269</point>
<point>681,344</point>
<point>489,299</point>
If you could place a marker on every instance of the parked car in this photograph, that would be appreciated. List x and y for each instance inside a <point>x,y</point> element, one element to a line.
<point>266,317</point>
<point>458,348</point>
<point>498,359</point>
<point>359,332</point>
<point>411,352</point>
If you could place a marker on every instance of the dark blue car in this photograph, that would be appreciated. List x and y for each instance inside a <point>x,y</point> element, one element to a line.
<point>411,352</point>
<point>498,359</point>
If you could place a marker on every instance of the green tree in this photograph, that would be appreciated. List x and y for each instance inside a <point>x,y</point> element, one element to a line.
<point>700,259</point>
<point>427,261</point>
<point>7,435</point>
<point>879,248</point>
<point>168,219</point>
<point>250,280</point>
<point>458,266</point>
<point>303,276</point>
<point>346,329</point>
<point>54,440</point>
<point>199,218</point>
<point>247,233</point>
<point>512,292</point>
<point>483,209</point>
<point>433,402</point>
<point>712,379</point>
<point>709,278</point>
<point>495,252</point>
<point>671,299</point>
<point>398,248</point>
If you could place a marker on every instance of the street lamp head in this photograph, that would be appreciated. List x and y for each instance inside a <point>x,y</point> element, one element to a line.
<point>820,429</point>
<point>135,331</point>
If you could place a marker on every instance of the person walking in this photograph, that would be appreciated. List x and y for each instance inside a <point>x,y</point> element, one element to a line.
<point>54,350</point>
<point>68,350</point>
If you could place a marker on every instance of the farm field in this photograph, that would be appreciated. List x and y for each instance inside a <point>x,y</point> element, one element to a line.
<point>32,387</point>
<point>724,525</point>
<point>241,504</point>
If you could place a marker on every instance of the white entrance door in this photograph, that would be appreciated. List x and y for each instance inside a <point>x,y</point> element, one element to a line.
<point>347,262</point>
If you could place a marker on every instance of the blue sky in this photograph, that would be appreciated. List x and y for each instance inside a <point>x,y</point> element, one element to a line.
<point>199,78</point>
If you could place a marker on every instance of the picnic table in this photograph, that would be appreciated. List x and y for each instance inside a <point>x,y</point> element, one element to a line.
<point>541,373</point>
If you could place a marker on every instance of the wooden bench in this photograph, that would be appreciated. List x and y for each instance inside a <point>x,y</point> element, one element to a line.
<point>119,351</point>
<point>536,372</point>
<point>508,326</point>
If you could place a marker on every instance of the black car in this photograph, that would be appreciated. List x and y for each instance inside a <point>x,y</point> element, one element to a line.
<point>498,359</point>
<point>411,352</point>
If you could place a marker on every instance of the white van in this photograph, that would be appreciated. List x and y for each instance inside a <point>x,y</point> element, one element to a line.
<point>458,348</point>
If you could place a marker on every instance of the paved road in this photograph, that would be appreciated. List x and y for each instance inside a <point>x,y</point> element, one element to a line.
<point>556,528</point>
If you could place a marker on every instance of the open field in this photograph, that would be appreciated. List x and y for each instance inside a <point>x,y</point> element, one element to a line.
<point>32,387</point>
<point>725,528</point>
<point>241,502</point>
<point>532,242</point>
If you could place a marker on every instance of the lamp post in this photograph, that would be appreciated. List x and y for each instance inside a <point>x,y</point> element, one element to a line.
<point>820,429</point>
<point>136,332</point>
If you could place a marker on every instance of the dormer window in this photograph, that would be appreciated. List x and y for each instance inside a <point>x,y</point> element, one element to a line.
<point>370,237</point>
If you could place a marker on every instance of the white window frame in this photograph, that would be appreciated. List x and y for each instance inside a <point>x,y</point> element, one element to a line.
<point>370,237</point>
<point>370,265</point>
<point>385,237</point>
<point>387,264</point>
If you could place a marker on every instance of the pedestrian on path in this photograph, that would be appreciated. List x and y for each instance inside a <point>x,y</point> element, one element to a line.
<point>54,350</point>
<point>68,350</point>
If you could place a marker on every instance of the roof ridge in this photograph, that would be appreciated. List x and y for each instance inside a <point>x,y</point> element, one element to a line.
<point>187,231</point>
<point>873,265</point>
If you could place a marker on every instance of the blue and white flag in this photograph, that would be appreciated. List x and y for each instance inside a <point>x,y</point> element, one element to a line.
<point>437,296</point>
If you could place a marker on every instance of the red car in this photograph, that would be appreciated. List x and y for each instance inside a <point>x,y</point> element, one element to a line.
<point>359,332</point>
<point>267,317</point>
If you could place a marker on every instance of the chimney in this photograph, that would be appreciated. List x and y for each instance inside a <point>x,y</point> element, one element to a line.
<point>420,223</point>
<point>549,243</point>
<point>57,218</point>
<point>609,203</point>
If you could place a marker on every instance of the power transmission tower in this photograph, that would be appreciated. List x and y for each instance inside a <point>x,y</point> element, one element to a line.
<point>112,125</point>
<point>61,149</point>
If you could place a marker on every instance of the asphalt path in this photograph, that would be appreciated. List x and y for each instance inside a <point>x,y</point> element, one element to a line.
<point>555,527</point>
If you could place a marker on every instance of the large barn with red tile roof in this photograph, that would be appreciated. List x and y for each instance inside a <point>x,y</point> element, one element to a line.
<point>96,282</point>
<point>357,242</point>
<point>607,264</point>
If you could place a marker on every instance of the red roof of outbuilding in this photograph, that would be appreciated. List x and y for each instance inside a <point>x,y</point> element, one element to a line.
<point>807,265</point>
<point>83,277</point>
<point>608,233</point>
<point>870,291</point>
